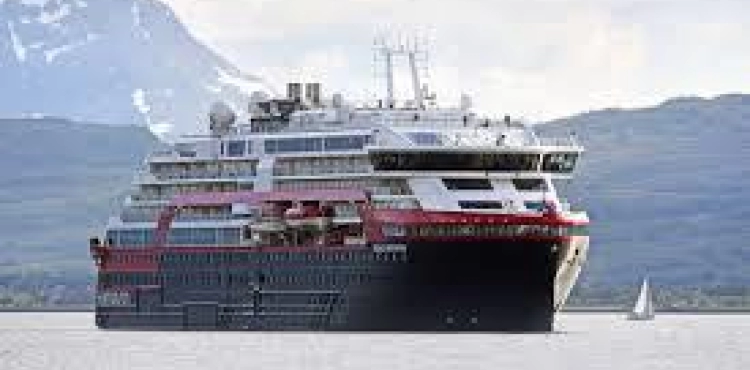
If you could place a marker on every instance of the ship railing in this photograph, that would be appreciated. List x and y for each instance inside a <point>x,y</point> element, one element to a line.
<point>150,217</point>
<point>195,175</point>
<point>148,197</point>
<point>204,217</point>
<point>138,217</point>
<point>162,153</point>
<point>562,141</point>
<point>322,170</point>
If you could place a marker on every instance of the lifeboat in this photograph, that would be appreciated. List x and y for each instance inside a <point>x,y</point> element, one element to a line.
<point>271,219</point>
<point>305,216</point>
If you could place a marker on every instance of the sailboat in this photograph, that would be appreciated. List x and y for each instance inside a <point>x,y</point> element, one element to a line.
<point>644,306</point>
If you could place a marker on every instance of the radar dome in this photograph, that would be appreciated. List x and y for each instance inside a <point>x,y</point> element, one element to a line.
<point>222,118</point>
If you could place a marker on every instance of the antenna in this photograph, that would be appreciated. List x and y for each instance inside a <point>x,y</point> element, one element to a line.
<point>414,49</point>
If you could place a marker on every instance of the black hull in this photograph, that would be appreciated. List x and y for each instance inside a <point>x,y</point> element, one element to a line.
<point>430,287</point>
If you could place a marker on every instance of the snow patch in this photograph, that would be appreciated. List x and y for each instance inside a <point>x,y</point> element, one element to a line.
<point>49,17</point>
<point>160,129</point>
<point>51,54</point>
<point>18,47</point>
<point>139,101</point>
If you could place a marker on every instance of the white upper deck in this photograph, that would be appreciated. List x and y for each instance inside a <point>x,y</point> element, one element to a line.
<point>410,154</point>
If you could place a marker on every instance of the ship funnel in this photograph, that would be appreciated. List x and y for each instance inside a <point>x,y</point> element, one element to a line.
<point>312,93</point>
<point>294,91</point>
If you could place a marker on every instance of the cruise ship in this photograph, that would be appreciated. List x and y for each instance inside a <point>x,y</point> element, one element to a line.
<point>317,214</point>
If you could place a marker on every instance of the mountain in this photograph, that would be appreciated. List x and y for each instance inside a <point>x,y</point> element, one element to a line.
<point>666,188</point>
<point>61,182</point>
<point>111,61</point>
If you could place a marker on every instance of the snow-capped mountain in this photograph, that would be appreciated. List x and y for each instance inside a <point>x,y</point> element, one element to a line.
<point>111,61</point>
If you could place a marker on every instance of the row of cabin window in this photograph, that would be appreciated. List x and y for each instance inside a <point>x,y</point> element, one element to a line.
<point>216,278</point>
<point>203,169</point>
<point>239,148</point>
<point>166,192</point>
<point>290,257</point>
<point>113,299</point>
<point>181,236</point>
<point>442,161</point>
<point>208,278</point>
<point>151,213</point>
<point>377,187</point>
<point>320,166</point>
<point>474,230</point>
<point>131,258</point>
<point>334,143</point>
<point>128,278</point>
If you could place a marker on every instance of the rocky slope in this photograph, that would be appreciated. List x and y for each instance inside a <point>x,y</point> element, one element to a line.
<point>110,61</point>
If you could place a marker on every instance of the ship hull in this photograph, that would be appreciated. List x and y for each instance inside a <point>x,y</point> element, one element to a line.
<point>430,286</point>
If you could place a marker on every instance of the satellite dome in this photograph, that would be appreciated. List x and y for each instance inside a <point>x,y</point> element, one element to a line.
<point>222,118</point>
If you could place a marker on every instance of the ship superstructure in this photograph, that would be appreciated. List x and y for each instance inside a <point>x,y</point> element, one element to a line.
<point>317,214</point>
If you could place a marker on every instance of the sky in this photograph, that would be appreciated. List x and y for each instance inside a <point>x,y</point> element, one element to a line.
<point>536,59</point>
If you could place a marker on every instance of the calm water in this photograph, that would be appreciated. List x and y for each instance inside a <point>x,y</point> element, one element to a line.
<point>583,341</point>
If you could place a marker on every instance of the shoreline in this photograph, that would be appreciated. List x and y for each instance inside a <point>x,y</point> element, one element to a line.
<point>573,310</point>
<point>81,308</point>
<point>670,310</point>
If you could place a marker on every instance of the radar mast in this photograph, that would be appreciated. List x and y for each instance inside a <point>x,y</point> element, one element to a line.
<point>415,51</point>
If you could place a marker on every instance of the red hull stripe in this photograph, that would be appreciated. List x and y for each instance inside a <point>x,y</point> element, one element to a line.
<point>147,259</point>
<point>499,238</point>
<point>419,217</point>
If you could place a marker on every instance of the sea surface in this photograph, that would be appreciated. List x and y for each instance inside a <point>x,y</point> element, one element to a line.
<point>582,341</point>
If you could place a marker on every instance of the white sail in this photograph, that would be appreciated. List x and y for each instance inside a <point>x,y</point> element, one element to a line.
<point>644,306</point>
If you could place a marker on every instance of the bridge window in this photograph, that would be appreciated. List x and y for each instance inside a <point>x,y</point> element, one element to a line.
<point>292,145</point>
<point>426,138</point>
<point>530,184</point>
<point>346,142</point>
<point>534,206</point>
<point>445,161</point>
<point>480,204</point>
<point>559,162</point>
<point>467,184</point>
<point>236,148</point>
